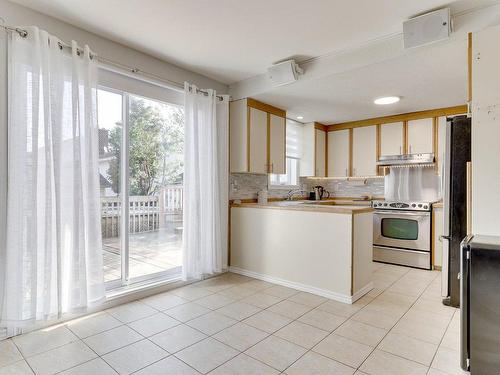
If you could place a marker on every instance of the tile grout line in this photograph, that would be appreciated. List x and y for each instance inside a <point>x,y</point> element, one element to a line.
<point>377,347</point>
<point>240,300</point>
<point>208,336</point>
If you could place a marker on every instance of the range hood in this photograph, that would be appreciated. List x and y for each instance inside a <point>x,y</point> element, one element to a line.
<point>406,159</point>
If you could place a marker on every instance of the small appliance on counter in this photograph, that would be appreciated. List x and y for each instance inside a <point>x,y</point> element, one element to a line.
<point>262,197</point>
<point>402,233</point>
<point>318,192</point>
<point>480,305</point>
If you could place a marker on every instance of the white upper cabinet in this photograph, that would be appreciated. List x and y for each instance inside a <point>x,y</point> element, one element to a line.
<point>364,151</point>
<point>420,136</point>
<point>257,137</point>
<point>320,150</point>
<point>338,153</point>
<point>258,141</point>
<point>277,147</point>
<point>313,158</point>
<point>391,138</point>
<point>238,136</point>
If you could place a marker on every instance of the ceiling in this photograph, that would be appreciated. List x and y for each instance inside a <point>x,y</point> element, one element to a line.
<point>234,42</point>
<point>426,78</point>
<point>230,40</point>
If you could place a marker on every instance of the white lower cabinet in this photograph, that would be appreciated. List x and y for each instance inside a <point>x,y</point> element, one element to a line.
<point>364,151</point>
<point>338,153</point>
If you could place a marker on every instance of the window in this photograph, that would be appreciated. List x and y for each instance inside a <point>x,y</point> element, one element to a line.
<point>141,179</point>
<point>293,154</point>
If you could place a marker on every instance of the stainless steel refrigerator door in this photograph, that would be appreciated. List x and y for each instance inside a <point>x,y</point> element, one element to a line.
<point>446,211</point>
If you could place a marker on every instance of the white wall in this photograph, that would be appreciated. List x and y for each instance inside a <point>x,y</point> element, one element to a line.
<point>486,132</point>
<point>17,15</point>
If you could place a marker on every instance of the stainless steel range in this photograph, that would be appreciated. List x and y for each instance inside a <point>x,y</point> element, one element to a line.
<point>402,233</point>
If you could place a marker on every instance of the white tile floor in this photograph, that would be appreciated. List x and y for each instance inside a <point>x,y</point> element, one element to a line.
<point>237,325</point>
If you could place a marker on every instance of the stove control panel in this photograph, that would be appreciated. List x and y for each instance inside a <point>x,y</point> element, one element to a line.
<point>401,205</point>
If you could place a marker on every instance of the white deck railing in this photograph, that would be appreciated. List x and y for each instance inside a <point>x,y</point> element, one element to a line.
<point>171,197</point>
<point>145,212</point>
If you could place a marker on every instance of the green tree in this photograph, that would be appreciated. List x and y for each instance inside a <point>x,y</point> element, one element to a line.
<point>156,145</point>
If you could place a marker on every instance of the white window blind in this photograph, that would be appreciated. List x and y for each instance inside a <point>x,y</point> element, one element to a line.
<point>293,139</point>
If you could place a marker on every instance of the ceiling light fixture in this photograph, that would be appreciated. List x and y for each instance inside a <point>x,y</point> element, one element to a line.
<point>300,117</point>
<point>387,100</point>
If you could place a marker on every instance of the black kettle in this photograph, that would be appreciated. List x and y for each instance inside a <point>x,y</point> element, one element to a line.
<point>319,191</point>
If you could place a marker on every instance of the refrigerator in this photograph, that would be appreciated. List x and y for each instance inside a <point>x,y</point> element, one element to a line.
<point>454,185</point>
<point>480,307</point>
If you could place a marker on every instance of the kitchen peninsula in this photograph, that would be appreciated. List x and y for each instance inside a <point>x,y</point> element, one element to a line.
<point>322,248</point>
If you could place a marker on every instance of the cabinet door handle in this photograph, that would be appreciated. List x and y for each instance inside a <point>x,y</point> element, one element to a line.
<point>400,150</point>
<point>346,172</point>
<point>410,149</point>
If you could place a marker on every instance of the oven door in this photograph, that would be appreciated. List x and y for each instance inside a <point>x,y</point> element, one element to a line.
<point>402,229</point>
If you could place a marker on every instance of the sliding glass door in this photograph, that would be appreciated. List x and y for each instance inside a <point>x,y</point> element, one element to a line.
<point>141,166</point>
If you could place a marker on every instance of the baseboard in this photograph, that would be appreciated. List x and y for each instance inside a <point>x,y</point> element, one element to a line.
<point>305,288</point>
<point>360,293</point>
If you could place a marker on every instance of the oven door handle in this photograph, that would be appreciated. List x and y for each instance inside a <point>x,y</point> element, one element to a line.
<point>424,214</point>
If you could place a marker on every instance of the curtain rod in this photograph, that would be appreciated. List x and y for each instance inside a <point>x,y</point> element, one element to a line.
<point>24,33</point>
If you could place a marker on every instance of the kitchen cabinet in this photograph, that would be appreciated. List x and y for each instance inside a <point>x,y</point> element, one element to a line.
<point>364,151</point>
<point>437,232</point>
<point>320,152</point>
<point>324,252</point>
<point>338,153</point>
<point>238,137</point>
<point>258,141</point>
<point>420,136</point>
<point>257,136</point>
<point>277,144</point>
<point>391,138</point>
<point>313,160</point>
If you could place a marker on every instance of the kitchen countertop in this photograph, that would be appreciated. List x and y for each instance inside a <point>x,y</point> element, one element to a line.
<point>327,206</point>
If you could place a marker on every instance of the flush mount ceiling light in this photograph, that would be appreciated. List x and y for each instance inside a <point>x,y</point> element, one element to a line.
<point>300,117</point>
<point>387,100</point>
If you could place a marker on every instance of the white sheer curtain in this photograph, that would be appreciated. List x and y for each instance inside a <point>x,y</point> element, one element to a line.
<point>205,183</point>
<point>52,255</point>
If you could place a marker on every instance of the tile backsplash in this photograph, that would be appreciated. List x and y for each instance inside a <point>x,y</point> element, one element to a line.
<point>349,188</point>
<point>246,186</point>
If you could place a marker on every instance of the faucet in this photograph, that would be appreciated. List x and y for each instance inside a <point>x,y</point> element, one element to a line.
<point>292,192</point>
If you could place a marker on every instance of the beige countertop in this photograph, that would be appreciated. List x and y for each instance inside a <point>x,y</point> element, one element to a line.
<point>328,206</point>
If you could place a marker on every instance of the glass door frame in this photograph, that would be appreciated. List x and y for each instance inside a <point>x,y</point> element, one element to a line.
<point>125,280</point>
